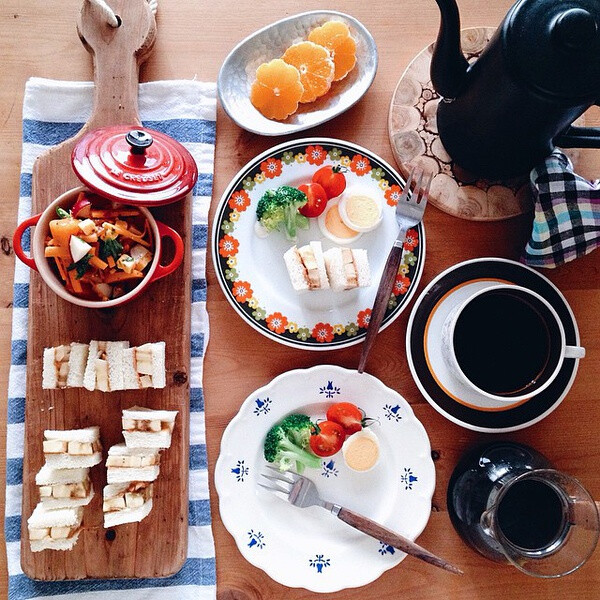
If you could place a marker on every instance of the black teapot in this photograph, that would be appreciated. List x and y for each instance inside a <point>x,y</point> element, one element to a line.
<point>503,114</point>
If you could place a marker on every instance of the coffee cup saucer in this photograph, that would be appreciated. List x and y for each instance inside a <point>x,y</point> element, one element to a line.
<point>432,374</point>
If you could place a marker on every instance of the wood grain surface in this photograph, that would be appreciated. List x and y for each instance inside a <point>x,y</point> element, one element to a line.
<point>53,321</point>
<point>38,38</point>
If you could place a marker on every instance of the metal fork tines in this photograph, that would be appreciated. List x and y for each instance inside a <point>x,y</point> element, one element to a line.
<point>302,492</point>
<point>409,213</point>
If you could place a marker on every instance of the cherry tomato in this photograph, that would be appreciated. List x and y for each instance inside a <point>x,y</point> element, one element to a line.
<point>348,415</point>
<point>317,200</point>
<point>327,438</point>
<point>331,179</point>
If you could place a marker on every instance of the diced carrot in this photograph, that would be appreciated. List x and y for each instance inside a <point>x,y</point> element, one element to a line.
<point>111,261</point>
<point>127,234</point>
<point>98,263</point>
<point>61,269</point>
<point>56,252</point>
<point>90,239</point>
<point>122,276</point>
<point>74,281</point>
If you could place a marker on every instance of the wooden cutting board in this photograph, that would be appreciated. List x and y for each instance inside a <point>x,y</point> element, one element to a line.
<point>157,546</point>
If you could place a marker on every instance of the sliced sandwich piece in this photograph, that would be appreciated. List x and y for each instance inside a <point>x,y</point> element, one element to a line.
<point>104,368</point>
<point>55,370</point>
<point>306,267</point>
<point>144,366</point>
<point>54,529</point>
<point>128,502</point>
<point>132,464</point>
<point>147,428</point>
<point>347,268</point>
<point>77,363</point>
<point>72,449</point>
<point>62,488</point>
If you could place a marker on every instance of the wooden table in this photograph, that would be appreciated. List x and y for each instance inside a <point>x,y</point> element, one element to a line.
<point>38,38</point>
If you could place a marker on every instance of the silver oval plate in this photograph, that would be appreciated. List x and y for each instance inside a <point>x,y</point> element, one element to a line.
<point>239,71</point>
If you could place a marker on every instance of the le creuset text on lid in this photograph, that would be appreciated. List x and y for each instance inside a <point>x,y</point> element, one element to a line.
<point>134,165</point>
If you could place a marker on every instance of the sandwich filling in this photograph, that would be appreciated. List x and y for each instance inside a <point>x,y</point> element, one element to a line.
<point>71,447</point>
<point>133,461</point>
<point>147,425</point>
<point>53,533</point>
<point>61,364</point>
<point>143,364</point>
<point>132,495</point>
<point>79,490</point>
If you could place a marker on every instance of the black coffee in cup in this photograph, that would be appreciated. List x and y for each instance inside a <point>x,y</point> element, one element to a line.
<point>506,342</point>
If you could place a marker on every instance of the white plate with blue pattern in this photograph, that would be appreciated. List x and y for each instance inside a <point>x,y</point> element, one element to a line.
<point>310,548</point>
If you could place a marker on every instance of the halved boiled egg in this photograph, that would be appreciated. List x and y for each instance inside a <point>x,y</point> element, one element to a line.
<point>332,226</point>
<point>359,210</point>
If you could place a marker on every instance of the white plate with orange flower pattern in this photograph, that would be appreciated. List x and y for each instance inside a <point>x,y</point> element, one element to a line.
<point>251,269</point>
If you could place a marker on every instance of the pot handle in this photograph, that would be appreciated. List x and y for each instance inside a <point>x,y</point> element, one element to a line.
<point>579,137</point>
<point>162,271</point>
<point>18,236</point>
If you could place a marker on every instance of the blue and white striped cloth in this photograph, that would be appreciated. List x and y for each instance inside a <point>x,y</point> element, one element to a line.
<point>53,111</point>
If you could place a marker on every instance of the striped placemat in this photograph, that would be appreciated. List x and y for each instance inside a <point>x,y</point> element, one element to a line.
<point>52,112</point>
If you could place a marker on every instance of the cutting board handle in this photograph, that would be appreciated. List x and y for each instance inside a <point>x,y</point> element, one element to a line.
<point>118,53</point>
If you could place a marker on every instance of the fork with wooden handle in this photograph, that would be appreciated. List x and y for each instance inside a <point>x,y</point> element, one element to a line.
<point>302,492</point>
<point>409,213</point>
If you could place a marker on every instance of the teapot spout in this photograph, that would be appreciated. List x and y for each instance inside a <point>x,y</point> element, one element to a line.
<point>448,64</point>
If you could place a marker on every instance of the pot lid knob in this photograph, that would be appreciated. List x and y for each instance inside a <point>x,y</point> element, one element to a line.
<point>575,29</point>
<point>138,140</point>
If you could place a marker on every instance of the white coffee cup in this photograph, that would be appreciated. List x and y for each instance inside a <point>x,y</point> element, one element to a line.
<point>557,352</point>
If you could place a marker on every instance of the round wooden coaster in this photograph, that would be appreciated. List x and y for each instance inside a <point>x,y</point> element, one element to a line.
<point>415,141</point>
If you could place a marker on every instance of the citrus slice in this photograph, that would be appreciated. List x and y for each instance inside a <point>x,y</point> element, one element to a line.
<point>315,66</point>
<point>335,36</point>
<point>277,90</point>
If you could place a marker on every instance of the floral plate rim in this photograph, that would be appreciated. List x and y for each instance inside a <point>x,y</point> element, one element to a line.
<point>223,275</point>
<point>228,492</point>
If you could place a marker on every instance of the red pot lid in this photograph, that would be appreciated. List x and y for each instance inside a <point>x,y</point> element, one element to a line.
<point>134,165</point>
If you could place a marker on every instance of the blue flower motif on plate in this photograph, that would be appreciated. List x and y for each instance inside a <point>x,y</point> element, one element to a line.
<point>329,469</point>
<point>408,479</point>
<point>329,390</point>
<point>392,413</point>
<point>386,549</point>
<point>262,406</point>
<point>257,540</point>
<point>319,562</point>
<point>240,471</point>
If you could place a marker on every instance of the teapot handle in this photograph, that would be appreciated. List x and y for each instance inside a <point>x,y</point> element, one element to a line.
<point>579,137</point>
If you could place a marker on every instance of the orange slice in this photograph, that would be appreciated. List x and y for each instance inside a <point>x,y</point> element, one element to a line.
<point>277,90</point>
<point>335,36</point>
<point>315,66</point>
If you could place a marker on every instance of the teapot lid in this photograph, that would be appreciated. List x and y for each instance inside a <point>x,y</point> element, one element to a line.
<point>554,45</point>
<point>134,165</point>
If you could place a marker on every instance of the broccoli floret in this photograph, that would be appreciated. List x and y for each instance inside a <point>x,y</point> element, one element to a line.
<point>298,428</point>
<point>278,209</point>
<point>280,445</point>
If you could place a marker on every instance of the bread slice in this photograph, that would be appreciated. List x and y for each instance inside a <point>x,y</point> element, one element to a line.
<point>127,515</point>
<point>132,464</point>
<point>317,249</point>
<point>89,376</point>
<point>43,523</point>
<point>54,484</point>
<point>49,375</point>
<point>50,476</point>
<point>142,413</point>
<point>71,449</point>
<point>347,268</point>
<point>296,270</point>
<point>77,364</point>
<point>114,356</point>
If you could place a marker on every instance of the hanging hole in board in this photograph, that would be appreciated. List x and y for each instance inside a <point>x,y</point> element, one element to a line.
<point>119,20</point>
<point>110,535</point>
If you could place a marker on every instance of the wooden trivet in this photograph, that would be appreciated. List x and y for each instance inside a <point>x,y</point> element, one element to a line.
<point>414,139</point>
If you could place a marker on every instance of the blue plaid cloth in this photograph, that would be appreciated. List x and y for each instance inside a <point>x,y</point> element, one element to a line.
<point>54,111</point>
<point>567,214</point>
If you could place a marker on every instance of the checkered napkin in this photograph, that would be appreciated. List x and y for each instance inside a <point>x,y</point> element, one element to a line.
<point>567,214</point>
<point>54,111</point>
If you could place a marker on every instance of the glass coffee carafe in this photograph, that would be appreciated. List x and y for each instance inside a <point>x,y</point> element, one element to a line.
<point>508,503</point>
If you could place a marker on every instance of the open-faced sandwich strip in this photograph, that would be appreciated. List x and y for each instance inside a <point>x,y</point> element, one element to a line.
<point>306,267</point>
<point>347,268</point>
<point>147,428</point>
<point>104,368</point>
<point>63,488</point>
<point>54,529</point>
<point>72,449</point>
<point>128,502</point>
<point>144,366</point>
<point>132,464</point>
<point>63,366</point>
